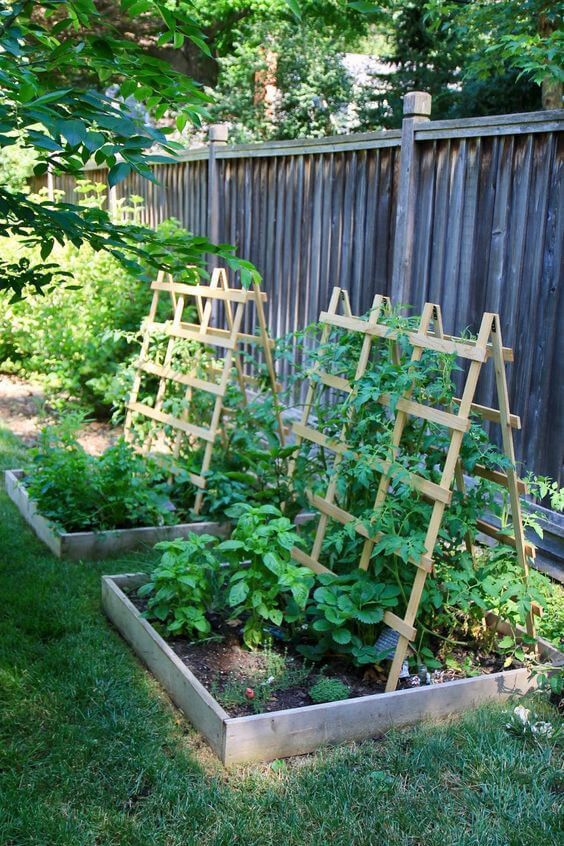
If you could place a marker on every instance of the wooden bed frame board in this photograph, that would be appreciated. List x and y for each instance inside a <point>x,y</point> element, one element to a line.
<point>297,731</point>
<point>76,546</point>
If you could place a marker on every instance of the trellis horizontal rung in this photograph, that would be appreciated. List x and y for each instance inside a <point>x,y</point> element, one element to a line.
<point>400,626</point>
<point>416,339</point>
<point>233,295</point>
<point>507,351</point>
<point>498,477</point>
<point>441,345</point>
<point>226,342</point>
<point>181,378</point>
<point>492,414</point>
<point>337,382</point>
<point>301,557</point>
<point>242,337</point>
<point>318,438</point>
<point>427,412</point>
<point>171,420</point>
<point>345,517</point>
<point>502,537</point>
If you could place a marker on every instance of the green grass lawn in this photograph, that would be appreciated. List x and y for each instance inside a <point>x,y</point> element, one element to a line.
<point>93,754</point>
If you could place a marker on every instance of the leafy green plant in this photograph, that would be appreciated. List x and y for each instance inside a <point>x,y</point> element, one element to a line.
<point>345,615</point>
<point>79,339</point>
<point>185,585</point>
<point>329,690</point>
<point>79,492</point>
<point>261,477</point>
<point>58,61</point>
<point>265,586</point>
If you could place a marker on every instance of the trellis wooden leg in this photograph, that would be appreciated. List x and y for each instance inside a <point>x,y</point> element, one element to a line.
<point>399,425</point>
<point>439,507</point>
<point>508,448</point>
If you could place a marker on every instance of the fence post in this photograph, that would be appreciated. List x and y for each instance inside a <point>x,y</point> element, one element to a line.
<point>217,135</point>
<point>416,108</point>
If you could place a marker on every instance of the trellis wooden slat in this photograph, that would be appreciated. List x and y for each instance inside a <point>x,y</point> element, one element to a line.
<point>429,336</point>
<point>224,339</point>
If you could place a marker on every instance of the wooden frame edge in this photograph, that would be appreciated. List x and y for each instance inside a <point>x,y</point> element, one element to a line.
<point>297,731</point>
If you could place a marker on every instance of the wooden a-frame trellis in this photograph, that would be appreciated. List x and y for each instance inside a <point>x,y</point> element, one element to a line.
<point>488,344</point>
<point>226,339</point>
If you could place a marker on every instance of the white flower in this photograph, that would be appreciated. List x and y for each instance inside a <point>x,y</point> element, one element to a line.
<point>543,729</point>
<point>522,714</point>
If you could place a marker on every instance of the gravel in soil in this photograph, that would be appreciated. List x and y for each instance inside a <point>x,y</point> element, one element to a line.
<point>223,664</point>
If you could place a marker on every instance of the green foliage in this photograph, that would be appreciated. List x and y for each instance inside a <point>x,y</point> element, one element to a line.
<point>345,614</point>
<point>77,338</point>
<point>460,592</point>
<point>81,338</point>
<point>255,476</point>
<point>44,110</point>
<point>265,586</point>
<point>185,585</point>
<point>328,690</point>
<point>16,166</point>
<point>526,37</point>
<point>79,492</point>
<point>435,46</point>
<point>305,65</point>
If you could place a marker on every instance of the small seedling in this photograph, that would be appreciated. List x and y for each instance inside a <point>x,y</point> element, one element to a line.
<point>329,690</point>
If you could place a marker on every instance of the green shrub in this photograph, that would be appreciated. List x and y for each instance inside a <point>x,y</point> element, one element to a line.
<point>78,491</point>
<point>81,336</point>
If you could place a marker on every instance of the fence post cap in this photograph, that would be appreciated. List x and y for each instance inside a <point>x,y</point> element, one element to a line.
<point>417,104</point>
<point>218,133</point>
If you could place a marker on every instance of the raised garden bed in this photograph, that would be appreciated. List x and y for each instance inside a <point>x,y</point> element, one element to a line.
<point>74,546</point>
<point>295,731</point>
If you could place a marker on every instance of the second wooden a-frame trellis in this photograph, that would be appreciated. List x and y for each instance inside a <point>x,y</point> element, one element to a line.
<point>225,340</point>
<point>428,336</point>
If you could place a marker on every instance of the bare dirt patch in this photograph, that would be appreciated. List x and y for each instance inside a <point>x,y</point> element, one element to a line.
<point>24,410</point>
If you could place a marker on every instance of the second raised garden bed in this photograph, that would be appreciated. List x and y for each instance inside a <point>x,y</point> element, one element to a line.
<point>75,546</point>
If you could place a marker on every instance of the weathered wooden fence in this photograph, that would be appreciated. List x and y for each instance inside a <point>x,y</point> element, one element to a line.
<point>465,213</point>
